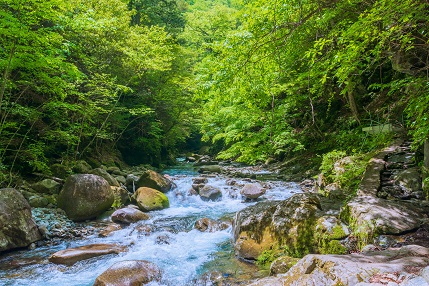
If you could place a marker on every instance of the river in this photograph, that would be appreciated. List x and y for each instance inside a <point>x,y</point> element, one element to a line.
<point>183,253</point>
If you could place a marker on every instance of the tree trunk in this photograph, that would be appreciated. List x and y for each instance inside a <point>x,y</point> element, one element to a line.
<point>426,154</point>
<point>353,106</point>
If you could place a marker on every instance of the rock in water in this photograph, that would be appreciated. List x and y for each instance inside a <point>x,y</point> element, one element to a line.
<point>272,225</point>
<point>17,227</point>
<point>210,193</point>
<point>129,273</point>
<point>149,199</point>
<point>128,215</point>
<point>85,196</point>
<point>72,255</point>
<point>152,179</point>
<point>252,191</point>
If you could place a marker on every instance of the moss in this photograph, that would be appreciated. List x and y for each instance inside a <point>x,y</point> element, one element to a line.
<point>266,257</point>
<point>332,247</point>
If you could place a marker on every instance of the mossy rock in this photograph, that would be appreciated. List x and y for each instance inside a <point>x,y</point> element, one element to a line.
<point>149,199</point>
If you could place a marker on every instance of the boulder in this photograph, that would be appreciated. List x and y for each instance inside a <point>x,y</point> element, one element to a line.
<point>47,186</point>
<point>121,180</point>
<point>149,199</point>
<point>252,191</point>
<point>17,227</point>
<point>131,182</point>
<point>38,201</point>
<point>85,196</point>
<point>210,169</point>
<point>210,225</point>
<point>409,180</point>
<point>370,215</point>
<point>129,273</point>
<point>282,264</point>
<point>122,196</point>
<point>351,269</point>
<point>81,167</point>
<point>152,179</point>
<point>271,225</point>
<point>128,215</point>
<point>104,174</point>
<point>210,193</point>
<point>60,171</point>
<point>199,180</point>
<point>72,255</point>
<point>371,181</point>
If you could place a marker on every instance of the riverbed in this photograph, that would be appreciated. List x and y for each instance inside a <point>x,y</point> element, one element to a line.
<point>186,255</point>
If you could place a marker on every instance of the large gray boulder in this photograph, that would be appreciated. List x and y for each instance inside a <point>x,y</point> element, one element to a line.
<point>129,273</point>
<point>353,269</point>
<point>85,196</point>
<point>371,215</point>
<point>273,225</point>
<point>152,179</point>
<point>17,227</point>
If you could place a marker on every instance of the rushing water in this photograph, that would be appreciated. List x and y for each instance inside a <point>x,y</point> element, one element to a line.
<point>182,252</point>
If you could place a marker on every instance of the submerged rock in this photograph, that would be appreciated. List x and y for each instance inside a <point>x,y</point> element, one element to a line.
<point>85,196</point>
<point>128,215</point>
<point>72,255</point>
<point>153,180</point>
<point>210,225</point>
<point>108,230</point>
<point>129,273</point>
<point>17,227</point>
<point>149,199</point>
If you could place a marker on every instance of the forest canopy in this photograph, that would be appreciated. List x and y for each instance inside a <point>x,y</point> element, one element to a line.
<point>255,79</point>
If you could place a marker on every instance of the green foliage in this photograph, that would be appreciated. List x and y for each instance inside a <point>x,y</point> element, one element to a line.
<point>344,170</point>
<point>266,257</point>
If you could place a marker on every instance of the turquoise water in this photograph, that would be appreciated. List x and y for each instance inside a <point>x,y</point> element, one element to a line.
<point>185,254</point>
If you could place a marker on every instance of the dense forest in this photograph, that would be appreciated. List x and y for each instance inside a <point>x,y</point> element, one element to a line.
<point>252,80</point>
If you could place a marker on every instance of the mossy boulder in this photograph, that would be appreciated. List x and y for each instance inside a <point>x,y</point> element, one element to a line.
<point>104,174</point>
<point>370,216</point>
<point>149,199</point>
<point>329,231</point>
<point>85,196</point>
<point>17,227</point>
<point>81,167</point>
<point>152,179</point>
<point>287,225</point>
<point>47,186</point>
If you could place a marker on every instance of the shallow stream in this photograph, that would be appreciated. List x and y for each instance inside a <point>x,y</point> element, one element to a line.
<point>183,253</point>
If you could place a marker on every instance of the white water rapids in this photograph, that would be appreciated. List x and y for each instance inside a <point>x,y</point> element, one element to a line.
<point>181,251</point>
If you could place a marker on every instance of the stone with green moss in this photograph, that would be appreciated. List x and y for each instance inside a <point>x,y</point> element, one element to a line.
<point>149,199</point>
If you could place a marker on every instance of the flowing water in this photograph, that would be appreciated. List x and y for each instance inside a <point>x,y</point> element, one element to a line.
<point>183,253</point>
